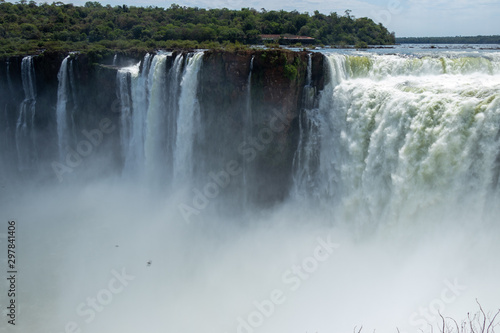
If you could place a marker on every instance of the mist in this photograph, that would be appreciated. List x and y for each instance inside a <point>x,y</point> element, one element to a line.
<point>387,218</point>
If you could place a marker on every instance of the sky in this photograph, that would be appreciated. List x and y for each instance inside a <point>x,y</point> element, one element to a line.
<point>407,18</point>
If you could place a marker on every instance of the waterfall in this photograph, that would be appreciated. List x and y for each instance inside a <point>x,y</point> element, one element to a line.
<point>306,159</point>
<point>309,70</point>
<point>115,59</point>
<point>247,132</point>
<point>132,91</point>
<point>309,91</point>
<point>11,91</point>
<point>173,87</point>
<point>395,138</point>
<point>188,121</point>
<point>9,79</point>
<point>66,108</point>
<point>148,94</point>
<point>124,79</point>
<point>63,136</point>
<point>387,218</point>
<point>74,101</point>
<point>25,131</point>
<point>249,95</point>
<point>134,159</point>
<point>380,67</point>
<point>155,159</point>
<point>5,134</point>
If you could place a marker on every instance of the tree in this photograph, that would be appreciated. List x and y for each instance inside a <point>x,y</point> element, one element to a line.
<point>79,26</point>
<point>93,4</point>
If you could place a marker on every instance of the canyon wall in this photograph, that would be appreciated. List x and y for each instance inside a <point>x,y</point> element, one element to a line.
<point>249,102</point>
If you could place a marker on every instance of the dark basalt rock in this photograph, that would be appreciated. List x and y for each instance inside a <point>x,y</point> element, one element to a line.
<point>276,89</point>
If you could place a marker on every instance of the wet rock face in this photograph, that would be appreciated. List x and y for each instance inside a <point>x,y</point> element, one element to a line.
<point>318,70</point>
<point>278,92</point>
<point>253,114</point>
<point>249,105</point>
<point>93,98</point>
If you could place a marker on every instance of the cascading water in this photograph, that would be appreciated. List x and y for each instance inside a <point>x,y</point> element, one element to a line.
<point>309,70</point>
<point>248,120</point>
<point>390,140</point>
<point>188,120</point>
<point>124,79</point>
<point>25,131</point>
<point>305,162</point>
<point>64,119</point>
<point>5,126</point>
<point>174,87</point>
<point>9,79</point>
<point>74,101</point>
<point>134,157</point>
<point>399,137</point>
<point>139,91</point>
<point>152,97</point>
<point>248,110</point>
<point>155,159</point>
<point>10,91</point>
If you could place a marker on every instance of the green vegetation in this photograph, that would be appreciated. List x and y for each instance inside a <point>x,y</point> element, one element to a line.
<point>361,45</point>
<point>291,70</point>
<point>450,40</point>
<point>28,27</point>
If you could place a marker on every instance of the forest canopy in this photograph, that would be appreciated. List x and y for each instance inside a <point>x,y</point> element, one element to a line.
<point>28,27</point>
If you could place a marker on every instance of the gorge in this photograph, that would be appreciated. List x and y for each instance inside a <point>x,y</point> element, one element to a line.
<point>268,190</point>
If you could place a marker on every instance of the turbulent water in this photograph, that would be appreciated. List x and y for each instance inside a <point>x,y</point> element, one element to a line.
<point>397,138</point>
<point>390,220</point>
